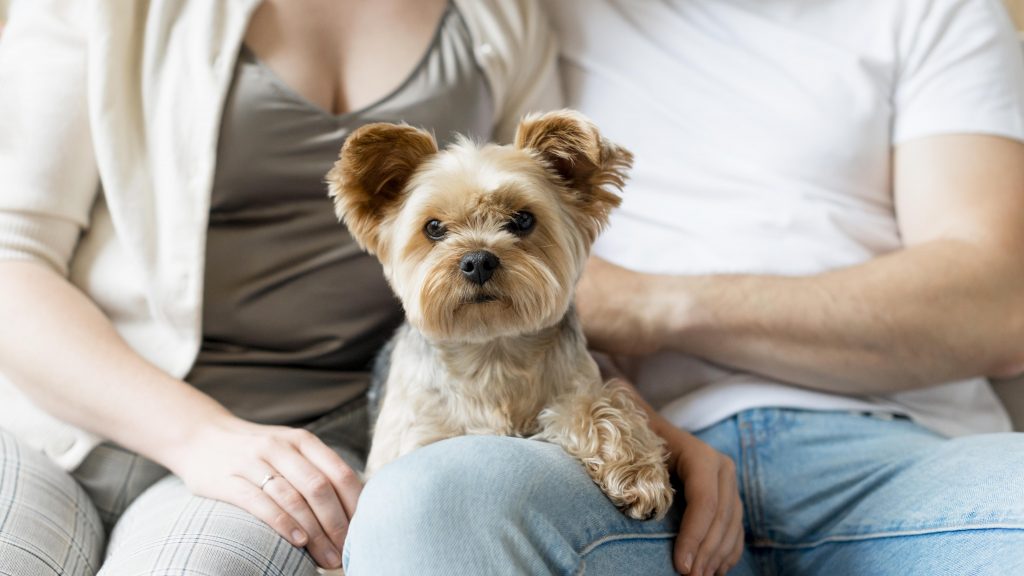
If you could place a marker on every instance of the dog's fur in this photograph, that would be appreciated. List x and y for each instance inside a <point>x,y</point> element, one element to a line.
<point>505,356</point>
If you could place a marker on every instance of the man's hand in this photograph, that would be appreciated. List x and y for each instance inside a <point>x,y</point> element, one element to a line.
<point>711,534</point>
<point>710,537</point>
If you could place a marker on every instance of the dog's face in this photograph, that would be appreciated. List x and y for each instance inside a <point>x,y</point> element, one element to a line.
<point>480,242</point>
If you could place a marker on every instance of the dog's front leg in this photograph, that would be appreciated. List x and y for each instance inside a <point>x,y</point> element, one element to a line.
<point>602,426</point>
<point>407,422</point>
<point>387,437</point>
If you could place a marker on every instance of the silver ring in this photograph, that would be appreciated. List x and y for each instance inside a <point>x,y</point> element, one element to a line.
<point>266,479</point>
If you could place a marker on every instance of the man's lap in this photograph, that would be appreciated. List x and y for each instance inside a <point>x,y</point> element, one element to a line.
<point>828,487</point>
<point>495,505</point>
<point>820,489</point>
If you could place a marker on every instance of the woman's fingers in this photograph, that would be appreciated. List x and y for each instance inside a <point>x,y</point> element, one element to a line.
<point>292,502</point>
<point>318,492</point>
<point>346,482</point>
<point>300,501</point>
<point>244,494</point>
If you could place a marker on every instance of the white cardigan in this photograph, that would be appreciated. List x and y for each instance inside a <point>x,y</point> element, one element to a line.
<point>109,119</point>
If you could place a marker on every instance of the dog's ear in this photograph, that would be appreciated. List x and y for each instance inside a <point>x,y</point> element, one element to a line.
<point>590,166</point>
<point>369,179</point>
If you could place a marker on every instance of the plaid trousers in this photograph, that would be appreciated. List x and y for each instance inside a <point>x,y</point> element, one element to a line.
<point>119,514</point>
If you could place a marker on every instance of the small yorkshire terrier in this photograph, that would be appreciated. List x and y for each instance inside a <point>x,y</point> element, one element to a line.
<point>484,246</point>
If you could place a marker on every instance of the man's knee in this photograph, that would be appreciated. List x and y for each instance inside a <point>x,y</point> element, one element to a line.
<point>462,493</point>
<point>47,523</point>
<point>468,475</point>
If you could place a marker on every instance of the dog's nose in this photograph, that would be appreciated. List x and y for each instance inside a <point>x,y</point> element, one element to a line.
<point>479,266</point>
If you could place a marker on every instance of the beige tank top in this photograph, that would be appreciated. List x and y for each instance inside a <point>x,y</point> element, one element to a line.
<point>293,310</point>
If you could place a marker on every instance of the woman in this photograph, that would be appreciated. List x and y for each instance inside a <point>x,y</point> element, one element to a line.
<point>200,308</point>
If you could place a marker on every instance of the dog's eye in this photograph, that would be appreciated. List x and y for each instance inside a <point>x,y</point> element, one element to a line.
<point>521,224</point>
<point>435,230</point>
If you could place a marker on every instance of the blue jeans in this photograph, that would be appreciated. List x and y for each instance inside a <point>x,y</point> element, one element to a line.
<point>829,493</point>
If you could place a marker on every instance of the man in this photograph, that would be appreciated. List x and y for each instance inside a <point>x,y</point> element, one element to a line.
<point>818,261</point>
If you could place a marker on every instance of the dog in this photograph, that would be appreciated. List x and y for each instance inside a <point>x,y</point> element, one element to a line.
<point>484,245</point>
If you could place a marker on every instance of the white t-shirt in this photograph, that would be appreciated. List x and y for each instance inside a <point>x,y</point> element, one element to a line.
<point>763,133</point>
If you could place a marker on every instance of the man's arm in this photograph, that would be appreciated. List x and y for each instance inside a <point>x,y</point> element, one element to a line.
<point>950,305</point>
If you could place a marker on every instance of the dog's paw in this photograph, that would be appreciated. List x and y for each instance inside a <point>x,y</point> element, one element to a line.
<point>644,492</point>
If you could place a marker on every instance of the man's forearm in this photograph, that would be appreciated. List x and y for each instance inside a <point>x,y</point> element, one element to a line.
<point>935,313</point>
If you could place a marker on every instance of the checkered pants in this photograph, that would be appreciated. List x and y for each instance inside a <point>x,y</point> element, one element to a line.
<point>120,514</point>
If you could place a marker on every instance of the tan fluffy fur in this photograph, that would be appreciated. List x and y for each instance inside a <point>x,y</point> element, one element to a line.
<point>516,364</point>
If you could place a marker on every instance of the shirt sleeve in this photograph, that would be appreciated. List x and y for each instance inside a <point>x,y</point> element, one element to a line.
<point>534,83</point>
<point>516,49</point>
<point>961,70</point>
<point>48,174</point>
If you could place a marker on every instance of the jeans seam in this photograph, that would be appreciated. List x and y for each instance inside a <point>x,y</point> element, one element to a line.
<point>752,502</point>
<point>616,538</point>
<point>838,539</point>
<point>625,536</point>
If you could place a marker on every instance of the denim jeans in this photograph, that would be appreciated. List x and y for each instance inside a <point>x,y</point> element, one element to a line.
<point>825,493</point>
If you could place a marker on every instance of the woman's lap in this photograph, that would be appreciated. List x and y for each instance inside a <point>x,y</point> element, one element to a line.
<point>48,525</point>
<point>167,530</point>
<point>53,522</point>
<point>114,477</point>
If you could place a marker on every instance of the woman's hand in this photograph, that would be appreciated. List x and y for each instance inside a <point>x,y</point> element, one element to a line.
<point>710,538</point>
<point>311,494</point>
